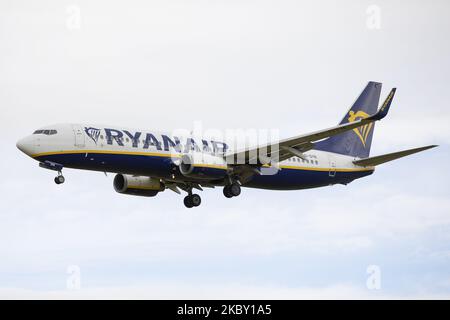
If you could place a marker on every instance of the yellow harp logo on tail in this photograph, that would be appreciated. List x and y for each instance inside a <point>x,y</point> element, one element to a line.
<point>363,131</point>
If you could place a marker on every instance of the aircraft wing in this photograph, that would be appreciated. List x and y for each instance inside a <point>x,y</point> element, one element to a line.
<point>295,146</point>
<point>374,161</point>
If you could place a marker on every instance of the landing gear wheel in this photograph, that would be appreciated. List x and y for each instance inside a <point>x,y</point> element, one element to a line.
<point>196,200</point>
<point>227,192</point>
<point>188,202</point>
<point>192,200</point>
<point>59,179</point>
<point>232,190</point>
<point>235,189</point>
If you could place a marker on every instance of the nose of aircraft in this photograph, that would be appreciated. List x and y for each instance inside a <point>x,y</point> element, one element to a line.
<point>25,145</point>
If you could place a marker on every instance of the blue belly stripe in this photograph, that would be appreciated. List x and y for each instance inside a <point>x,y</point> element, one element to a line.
<point>285,179</point>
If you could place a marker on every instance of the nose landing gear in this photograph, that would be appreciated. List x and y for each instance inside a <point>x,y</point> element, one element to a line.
<point>59,178</point>
<point>54,167</point>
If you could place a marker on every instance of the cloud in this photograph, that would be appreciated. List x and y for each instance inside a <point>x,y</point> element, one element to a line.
<point>183,291</point>
<point>190,291</point>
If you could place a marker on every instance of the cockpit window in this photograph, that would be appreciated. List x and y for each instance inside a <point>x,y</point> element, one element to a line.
<point>46,132</point>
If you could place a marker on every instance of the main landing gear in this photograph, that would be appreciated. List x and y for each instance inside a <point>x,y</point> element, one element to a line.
<point>192,200</point>
<point>232,190</point>
<point>59,178</point>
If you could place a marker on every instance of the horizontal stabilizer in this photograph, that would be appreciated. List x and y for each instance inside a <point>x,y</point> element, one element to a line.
<point>374,161</point>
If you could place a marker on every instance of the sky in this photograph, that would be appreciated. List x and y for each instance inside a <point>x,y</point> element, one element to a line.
<point>287,65</point>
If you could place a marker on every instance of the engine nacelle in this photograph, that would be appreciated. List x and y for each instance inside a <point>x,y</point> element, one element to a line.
<point>203,166</point>
<point>137,186</point>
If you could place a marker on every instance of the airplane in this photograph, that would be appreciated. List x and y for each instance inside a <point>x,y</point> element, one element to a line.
<point>147,162</point>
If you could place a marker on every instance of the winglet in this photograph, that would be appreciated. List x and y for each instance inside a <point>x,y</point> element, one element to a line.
<point>383,111</point>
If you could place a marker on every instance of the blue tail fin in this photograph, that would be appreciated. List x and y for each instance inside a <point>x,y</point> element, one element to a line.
<point>356,142</point>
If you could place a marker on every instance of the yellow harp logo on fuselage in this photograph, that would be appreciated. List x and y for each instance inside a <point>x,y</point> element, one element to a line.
<point>363,131</point>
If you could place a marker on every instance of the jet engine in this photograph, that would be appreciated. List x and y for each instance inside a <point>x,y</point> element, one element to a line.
<point>137,185</point>
<point>202,166</point>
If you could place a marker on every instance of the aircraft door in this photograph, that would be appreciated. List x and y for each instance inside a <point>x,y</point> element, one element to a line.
<point>79,136</point>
